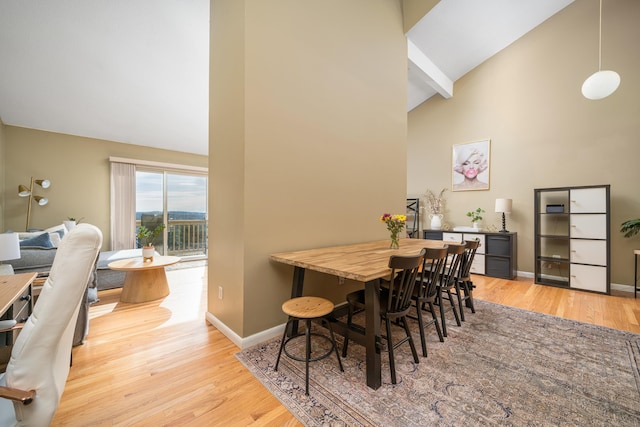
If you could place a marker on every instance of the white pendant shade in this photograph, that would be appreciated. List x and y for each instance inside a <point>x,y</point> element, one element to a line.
<point>600,84</point>
<point>603,82</point>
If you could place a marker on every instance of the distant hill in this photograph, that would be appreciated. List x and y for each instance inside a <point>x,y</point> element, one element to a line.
<point>176,215</point>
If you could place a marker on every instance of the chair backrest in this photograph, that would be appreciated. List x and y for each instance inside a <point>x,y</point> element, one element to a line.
<point>404,273</point>
<point>434,261</point>
<point>470,248</point>
<point>455,252</point>
<point>41,355</point>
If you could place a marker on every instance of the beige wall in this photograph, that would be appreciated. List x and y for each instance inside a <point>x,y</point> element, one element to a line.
<point>543,133</point>
<point>2,174</point>
<point>307,142</point>
<point>78,169</point>
<point>414,10</point>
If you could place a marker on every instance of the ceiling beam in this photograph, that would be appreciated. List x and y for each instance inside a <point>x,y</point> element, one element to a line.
<point>429,72</point>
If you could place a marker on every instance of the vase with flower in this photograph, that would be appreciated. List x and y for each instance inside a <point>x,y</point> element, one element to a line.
<point>395,224</point>
<point>435,205</point>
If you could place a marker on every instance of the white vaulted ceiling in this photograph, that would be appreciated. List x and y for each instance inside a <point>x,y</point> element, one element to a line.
<point>458,35</point>
<point>136,71</point>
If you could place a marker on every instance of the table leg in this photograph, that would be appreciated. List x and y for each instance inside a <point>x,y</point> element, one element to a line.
<point>144,285</point>
<point>372,333</point>
<point>296,291</point>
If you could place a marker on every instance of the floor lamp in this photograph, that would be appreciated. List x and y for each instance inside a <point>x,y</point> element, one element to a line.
<point>23,191</point>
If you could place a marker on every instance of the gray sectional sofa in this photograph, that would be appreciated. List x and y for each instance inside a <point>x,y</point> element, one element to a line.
<point>39,260</point>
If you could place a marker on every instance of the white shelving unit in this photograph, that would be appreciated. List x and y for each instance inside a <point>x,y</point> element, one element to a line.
<point>572,237</point>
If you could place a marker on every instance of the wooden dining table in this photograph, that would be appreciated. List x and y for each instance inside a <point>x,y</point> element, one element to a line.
<point>362,262</point>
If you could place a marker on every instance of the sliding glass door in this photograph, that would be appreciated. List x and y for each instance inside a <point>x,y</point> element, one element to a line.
<point>179,201</point>
<point>187,214</point>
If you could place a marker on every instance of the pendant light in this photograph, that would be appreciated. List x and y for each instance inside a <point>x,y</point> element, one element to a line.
<point>603,82</point>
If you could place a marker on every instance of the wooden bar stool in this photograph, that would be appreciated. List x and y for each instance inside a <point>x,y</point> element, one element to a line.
<point>308,309</point>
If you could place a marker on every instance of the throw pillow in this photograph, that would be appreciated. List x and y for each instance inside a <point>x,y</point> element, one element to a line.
<point>55,239</point>
<point>41,241</point>
<point>60,229</point>
<point>28,234</point>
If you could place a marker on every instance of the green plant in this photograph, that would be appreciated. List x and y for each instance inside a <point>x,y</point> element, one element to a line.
<point>475,215</point>
<point>70,218</point>
<point>630,228</point>
<point>146,237</point>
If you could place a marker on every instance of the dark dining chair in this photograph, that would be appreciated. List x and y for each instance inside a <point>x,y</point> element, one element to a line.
<point>426,292</point>
<point>447,282</point>
<point>463,285</point>
<point>395,303</point>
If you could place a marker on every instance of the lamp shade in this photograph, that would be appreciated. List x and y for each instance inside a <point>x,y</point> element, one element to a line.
<point>600,84</point>
<point>44,183</point>
<point>41,200</point>
<point>503,205</point>
<point>23,191</point>
<point>9,246</point>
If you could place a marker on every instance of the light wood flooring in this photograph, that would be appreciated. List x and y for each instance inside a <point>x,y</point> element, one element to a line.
<point>161,364</point>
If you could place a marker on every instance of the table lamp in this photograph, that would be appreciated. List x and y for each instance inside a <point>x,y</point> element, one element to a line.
<point>503,206</point>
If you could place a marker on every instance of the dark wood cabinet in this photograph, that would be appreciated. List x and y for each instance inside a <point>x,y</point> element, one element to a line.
<point>497,256</point>
<point>432,234</point>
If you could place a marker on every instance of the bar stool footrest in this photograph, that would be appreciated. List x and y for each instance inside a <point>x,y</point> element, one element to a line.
<point>313,359</point>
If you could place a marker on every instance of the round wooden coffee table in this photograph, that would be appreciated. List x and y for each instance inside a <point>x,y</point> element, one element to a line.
<point>144,281</point>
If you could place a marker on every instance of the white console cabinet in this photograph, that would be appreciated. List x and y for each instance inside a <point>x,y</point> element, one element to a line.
<point>478,264</point>
<point>572,237</point>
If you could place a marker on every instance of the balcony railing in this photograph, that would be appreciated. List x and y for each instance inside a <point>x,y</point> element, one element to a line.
<point>185,238</point>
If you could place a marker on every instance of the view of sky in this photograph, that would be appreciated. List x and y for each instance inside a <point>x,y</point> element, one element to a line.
<point>184,192</point>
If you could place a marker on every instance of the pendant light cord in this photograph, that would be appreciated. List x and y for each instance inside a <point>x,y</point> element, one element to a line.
<point>600,39</point>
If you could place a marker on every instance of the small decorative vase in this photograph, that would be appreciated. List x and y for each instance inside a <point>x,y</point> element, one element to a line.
<point>69,225</point>
<point>395,242</point>
<point>147,253</point>
<point>436,221</point>
<point>475,225</point>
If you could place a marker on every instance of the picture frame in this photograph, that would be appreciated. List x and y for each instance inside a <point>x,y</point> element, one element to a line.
<point>470,166</point>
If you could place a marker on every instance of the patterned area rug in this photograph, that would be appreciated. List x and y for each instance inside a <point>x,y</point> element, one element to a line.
<point>504,366</point>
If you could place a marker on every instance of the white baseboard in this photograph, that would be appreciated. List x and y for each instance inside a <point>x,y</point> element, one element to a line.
<point>246,342</point>
<point>614,286</point>
<point>622,287</point>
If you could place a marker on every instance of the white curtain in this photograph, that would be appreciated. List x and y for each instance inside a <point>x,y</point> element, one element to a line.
<point>123,206</point>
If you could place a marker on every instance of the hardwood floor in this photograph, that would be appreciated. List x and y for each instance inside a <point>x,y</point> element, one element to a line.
<point>161,364</point>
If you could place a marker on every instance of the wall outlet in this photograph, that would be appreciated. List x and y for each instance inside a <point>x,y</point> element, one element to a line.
<point>219,292</point>
<point>340,280</point>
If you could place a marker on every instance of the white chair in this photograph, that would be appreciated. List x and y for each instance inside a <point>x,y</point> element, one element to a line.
<point>31,388</point>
